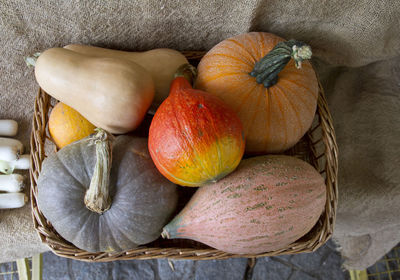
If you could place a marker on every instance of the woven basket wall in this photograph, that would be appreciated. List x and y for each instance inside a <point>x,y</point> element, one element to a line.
<point>318,147</point>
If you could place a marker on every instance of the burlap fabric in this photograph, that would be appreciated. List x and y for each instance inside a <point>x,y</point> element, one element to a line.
<point>356,50</point>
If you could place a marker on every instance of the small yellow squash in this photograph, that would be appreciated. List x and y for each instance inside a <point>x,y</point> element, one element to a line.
<point>66,125</point>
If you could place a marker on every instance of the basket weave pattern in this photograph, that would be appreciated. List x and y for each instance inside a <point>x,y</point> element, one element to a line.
<point>318,147</point>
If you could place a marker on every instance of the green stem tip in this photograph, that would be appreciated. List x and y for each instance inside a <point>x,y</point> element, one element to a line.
<point>267,69</point>
<point>31,60</point>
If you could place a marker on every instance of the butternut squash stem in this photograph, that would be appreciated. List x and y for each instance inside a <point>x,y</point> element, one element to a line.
<point>267,69</point>
<point>165,234</point>
<point>97,197</point>
<point>31,60</point>
<point>188,71</point>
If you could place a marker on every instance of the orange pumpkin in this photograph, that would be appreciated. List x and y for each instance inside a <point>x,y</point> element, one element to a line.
<point>66,125</point>
<point>254,74</point>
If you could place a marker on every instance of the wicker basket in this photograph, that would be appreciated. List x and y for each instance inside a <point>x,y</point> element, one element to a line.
<point>318,147</point>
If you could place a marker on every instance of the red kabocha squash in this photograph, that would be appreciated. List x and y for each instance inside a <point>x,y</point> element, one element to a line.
<point>265,205</point>
<point>274,98</point>
<point>194,138</point>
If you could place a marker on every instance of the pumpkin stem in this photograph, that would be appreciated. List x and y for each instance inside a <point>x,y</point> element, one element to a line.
<point>97,197</point>
<point>267,69</point>
<point>31,60</point>
<point>188,71</point>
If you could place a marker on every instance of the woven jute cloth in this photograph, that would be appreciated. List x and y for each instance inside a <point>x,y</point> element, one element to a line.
<point>356,51</point>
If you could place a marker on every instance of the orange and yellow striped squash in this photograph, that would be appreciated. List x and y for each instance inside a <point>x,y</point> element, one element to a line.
<point>265,205</point>
<point>258,75</point>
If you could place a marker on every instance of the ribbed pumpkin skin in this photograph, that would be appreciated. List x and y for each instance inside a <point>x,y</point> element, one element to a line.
<point>194,138</point>
<point>66,125</point>
<point>142,199</point>
<point>274,119</point>
<point>266,204</point>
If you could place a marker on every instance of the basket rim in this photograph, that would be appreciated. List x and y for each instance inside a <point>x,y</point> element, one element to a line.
<point>65,249</point>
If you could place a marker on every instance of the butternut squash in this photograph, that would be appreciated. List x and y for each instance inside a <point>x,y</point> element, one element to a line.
<point>160,63</point>
<point>111,93</point>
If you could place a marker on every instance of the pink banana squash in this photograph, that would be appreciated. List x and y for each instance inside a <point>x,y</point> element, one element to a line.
<point>265,205</point>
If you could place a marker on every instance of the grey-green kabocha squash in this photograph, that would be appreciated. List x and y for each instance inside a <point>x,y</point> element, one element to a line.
<point>100,207</point>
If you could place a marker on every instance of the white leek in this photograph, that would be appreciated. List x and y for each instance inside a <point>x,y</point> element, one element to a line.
<point>10,149</point>
<point>12,200</point>
<point>7,167</point>
<point>11,183</point>
<point>8,127</point>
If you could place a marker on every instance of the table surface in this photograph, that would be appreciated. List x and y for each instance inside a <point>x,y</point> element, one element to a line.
<point>325,263</point>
